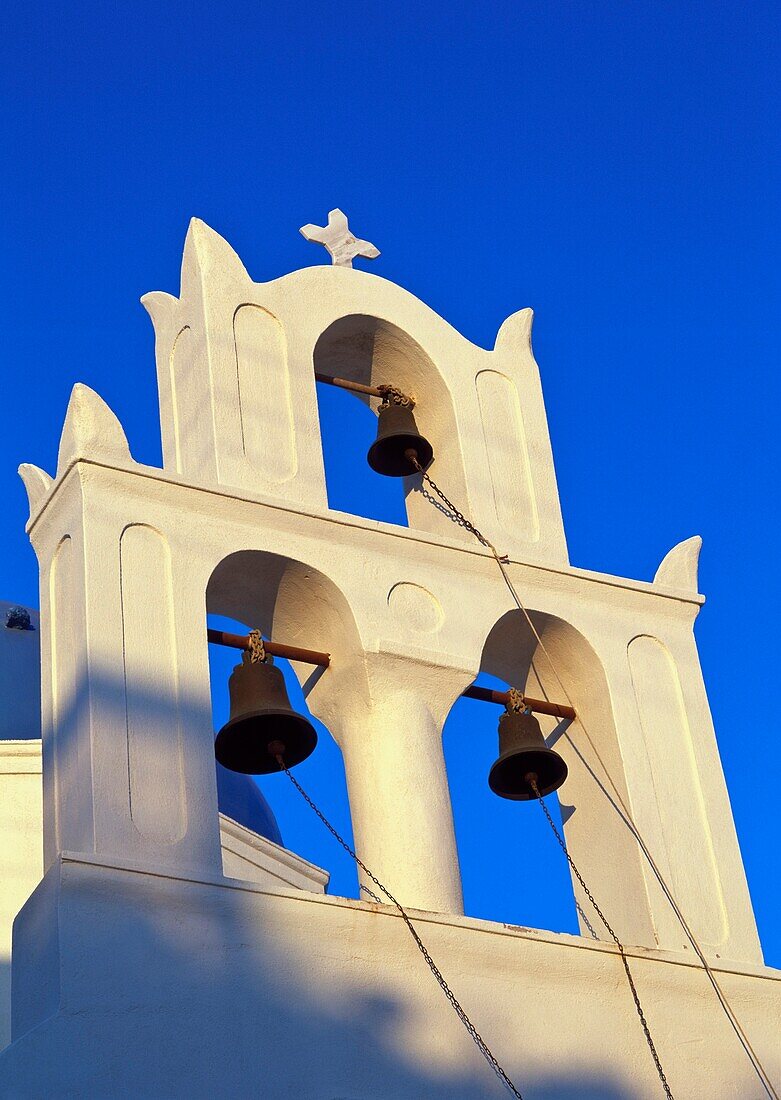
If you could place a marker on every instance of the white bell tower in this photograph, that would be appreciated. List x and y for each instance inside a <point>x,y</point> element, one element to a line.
<point>139,968</point>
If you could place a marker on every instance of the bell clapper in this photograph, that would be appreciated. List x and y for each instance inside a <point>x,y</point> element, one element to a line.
<point>277,750</point>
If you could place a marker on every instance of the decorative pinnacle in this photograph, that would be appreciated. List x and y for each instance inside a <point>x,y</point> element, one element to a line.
<point>337,238</point>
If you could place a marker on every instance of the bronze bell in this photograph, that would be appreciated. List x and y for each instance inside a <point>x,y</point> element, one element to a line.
<point>262,723</point>
<point>398,433</point>
<point>523,752</point>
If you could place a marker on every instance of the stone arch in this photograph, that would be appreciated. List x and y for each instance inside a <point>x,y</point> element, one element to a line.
<point>596,832</point>
<point>374,351</point>
<point>294,603</point>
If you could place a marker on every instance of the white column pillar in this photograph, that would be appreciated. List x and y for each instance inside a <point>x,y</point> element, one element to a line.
<point>397,782</point>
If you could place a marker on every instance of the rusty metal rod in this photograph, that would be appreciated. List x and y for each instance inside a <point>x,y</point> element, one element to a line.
<point>314,657</point>
<point>541,706</point>
<point>276,649</point>
<point>346,384</point>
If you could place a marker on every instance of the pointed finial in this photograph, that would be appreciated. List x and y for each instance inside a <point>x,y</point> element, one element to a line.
<point>37,483</point>
<point>679,566</point>
<point>91,430</point>
<point>337,238</point>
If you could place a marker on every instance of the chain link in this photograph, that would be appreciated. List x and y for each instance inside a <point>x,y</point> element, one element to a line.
<point>515,697</point>
<point>393,396</point>
<point>515,701</point>
<point>613,936</point>
<point>256,648</point>
<point>454,514</point>
<point>475,1035</point>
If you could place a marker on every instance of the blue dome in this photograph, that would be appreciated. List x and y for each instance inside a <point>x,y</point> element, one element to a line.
<point>239,798</point>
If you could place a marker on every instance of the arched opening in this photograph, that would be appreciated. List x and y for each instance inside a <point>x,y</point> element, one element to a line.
<point>512,866</point>
<point>294,603</point>
<point>512,870</point>
<point>347,430</point>
<point>374,352</point>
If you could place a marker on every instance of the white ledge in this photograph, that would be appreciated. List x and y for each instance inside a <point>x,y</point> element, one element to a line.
<point>344,519</point>
<point>21,757</point>
<point>468,924</point>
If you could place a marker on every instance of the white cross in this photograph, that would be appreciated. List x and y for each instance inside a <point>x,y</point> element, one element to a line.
<point>337,238</point>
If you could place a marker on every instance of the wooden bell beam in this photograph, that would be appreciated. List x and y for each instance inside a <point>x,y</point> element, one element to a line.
<point>347,384</point>
<point>276,649</point>
<point>315,657</point>
<point>541,706</point>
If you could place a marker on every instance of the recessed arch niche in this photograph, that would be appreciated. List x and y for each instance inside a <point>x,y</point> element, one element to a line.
<point>374,352</point>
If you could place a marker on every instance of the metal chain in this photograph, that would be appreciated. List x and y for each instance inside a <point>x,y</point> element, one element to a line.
<point>627,818</point>
<point>475,1035</point>
<point>393,396</point>
<point>256,648</point>
<point>613,936</point>
<point>515,700</point>
<point>459,518</point>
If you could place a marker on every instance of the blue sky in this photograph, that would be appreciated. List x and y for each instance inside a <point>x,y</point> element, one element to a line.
<point>614,166</point>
